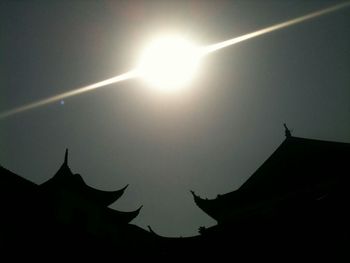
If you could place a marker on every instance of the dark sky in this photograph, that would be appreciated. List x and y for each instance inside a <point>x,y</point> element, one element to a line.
<point>209,139</point>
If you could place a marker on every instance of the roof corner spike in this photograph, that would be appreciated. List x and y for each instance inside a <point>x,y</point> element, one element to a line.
<point>194,194</point>
<point>66,157</point>
<point>151,230</point>
<point>287,132</point>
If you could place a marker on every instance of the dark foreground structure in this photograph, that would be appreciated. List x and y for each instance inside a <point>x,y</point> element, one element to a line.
<point>295,206</point>
<point>64,216</point>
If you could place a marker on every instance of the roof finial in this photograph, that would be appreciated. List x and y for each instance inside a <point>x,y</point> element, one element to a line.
<point>66,157</point>
<point>287,131</point>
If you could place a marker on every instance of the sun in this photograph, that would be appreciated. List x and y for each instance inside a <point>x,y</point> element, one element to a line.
<point>169,63</point>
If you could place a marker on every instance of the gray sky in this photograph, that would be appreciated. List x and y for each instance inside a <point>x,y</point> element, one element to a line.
<point>209,139</point>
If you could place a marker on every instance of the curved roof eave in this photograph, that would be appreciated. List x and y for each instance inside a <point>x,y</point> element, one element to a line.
<point>206,205</point>
<point>105,198</point>
<point>116,216</point>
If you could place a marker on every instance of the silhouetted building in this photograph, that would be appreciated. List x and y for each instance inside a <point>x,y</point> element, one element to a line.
<point>297,202</point>
<point>65,215</point>
<point>72,202</point>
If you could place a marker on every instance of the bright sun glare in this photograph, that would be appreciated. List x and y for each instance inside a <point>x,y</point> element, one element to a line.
<point>169,63</point>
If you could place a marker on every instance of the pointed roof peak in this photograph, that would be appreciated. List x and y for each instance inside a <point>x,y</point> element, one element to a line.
<point>64,169</point>
<point>287,131</point>
<point>66,157</point>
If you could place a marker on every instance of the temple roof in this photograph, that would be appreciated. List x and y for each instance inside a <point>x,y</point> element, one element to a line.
<point>65,179</point>
<point>14,188</point>
<point>298,166</point>
<point>12,178</point>
<point>121,217</point>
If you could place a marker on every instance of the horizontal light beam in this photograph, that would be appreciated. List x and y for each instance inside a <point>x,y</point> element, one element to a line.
<point>226,43</point>
<point>119,78</point>
<point>206,50</point>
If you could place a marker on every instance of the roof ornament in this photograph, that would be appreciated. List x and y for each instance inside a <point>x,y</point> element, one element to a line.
<point>193,193</point>
<point>66,157</point>
<point>151,230</point>
<point>287,132</point>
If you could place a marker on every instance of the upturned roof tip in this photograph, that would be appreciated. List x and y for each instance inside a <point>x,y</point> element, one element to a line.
<point>123,189</point>
<point>194,194</point>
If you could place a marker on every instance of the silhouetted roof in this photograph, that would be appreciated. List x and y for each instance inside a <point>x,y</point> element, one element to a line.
<point>117,217</point>
<point>14,187</point>
<point>65,213</point>
<point>16,180</point>
<point>297,166</point>
<point>64,178</point>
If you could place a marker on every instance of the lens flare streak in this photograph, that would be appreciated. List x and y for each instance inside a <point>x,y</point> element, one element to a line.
<point>226,43</point>
<point>204,51</point>
<point>119,78</point>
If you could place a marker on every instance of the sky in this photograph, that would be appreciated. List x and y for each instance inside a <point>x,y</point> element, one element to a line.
<point>208,138</point>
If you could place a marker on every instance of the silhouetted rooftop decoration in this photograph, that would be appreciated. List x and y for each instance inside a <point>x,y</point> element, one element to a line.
<point>64,210</point>
<point>287,132</point>
<point>295,202</point>
<point>64,178</point>
<point>299,167</point>
<point>65,186</point>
